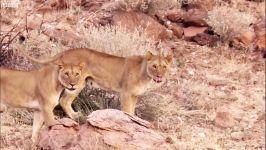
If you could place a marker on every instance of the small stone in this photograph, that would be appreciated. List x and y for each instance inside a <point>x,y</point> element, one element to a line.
<point>202,135</point>
<point>245,39</point>
<point>169,140</point>
<point>261,116</point>
<point>224,118</point>
<point>237,135</point>
<point>191,72</point>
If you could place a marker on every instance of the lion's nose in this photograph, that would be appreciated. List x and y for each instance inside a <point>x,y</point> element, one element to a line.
<point>159,76</point>
<point>72,84</point>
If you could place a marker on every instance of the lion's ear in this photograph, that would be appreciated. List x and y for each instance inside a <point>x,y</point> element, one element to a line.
<point>149,55</point>
<point>60,63</point>
<point>169,57</point>
<point>82,65</point>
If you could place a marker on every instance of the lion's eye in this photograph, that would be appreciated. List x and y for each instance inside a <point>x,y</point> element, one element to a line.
<point>66,73</point>
<point>77,74</point>
<point>154,66</point>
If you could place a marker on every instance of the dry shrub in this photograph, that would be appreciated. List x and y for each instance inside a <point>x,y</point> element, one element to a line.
<point>151,6</point>
<point>40,45</point>
<point>17,116</point>
<point>117,41</point>
<point>149,106</point>
<point>154,6</point>
<point>163,5</point>
<point>141,5</point>
<point>92,99</point>
<point>229,22</point>
<point>37,45</point>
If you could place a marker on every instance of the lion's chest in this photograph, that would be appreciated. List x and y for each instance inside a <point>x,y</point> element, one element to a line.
<point>147,86</point>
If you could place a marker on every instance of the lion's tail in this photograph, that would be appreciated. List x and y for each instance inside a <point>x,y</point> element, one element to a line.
<point>41,61</point>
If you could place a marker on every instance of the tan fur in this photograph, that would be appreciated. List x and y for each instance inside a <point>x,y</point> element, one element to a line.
<point>39,89</point>
<point>131,76</point>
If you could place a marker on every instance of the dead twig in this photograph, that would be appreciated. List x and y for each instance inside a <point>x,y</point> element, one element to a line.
<point>8,33</point>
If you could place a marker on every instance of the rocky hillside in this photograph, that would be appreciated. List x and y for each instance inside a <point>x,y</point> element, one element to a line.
<point>215,96</point>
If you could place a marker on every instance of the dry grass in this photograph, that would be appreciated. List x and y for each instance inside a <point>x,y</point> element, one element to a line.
<point>15,124</point>
<point>150,6</point>
<point>92,99</point>
<point>117,41</point>
<point>154,6</point>
<point>229,22</point>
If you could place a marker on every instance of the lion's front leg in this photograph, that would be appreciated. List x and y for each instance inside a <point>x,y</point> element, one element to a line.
<point>128,102</point>
<point>66,102</point>
<point>38,121</point>
<point>47,107</point>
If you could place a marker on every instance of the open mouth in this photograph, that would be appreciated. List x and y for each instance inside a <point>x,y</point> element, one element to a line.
<point>157,80</point>
<point>71,89</point>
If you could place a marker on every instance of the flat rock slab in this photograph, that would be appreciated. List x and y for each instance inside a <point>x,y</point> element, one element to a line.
<point>104,129</point>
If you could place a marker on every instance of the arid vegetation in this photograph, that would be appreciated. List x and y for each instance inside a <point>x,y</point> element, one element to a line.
<point>215,96</point>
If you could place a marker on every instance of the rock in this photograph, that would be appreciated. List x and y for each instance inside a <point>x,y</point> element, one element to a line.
<point>132,20</point>
<point>62,34</point>
<point>260,41</point>
<point>237,135</point>
<point>196,17</point>
<point>60,135</point>
<point>177,29</point>
<point>63,4</point>
<point>191,31</point>
<point>161,16</point>
<point>204,5</point>
<point>105,129</point>
<point>245,39</point>
<point>44,6</point>
<point>92,6</point>
<point>259,28</point>
<point>224,118</point>
<point>261,116</point>
<point>205,39</point>
<point>176,15</point>
<point>34,21</point>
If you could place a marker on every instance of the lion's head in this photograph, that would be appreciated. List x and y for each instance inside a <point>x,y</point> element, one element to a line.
<point>70,75</point>
<point>158,66</point>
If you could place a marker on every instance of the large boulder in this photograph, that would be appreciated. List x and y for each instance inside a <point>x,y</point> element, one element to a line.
<point>196,17</point>
<point>104,129</point>
<point>132,20</point>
